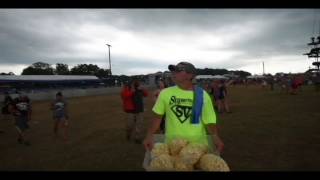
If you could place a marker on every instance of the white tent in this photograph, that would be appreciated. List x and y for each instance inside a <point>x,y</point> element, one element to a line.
<point>231,75</point>
<point>204,77</point>
<point>219,77</point>
<point>255,77</point>
<point>211,77</point>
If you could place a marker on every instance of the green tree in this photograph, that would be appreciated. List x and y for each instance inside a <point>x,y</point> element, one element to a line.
<point>38,68</point>
<point>85,69</point>
<point>242,74</point>
<point>62,69</point>
<point>102,73</point>
<point>10,73</point>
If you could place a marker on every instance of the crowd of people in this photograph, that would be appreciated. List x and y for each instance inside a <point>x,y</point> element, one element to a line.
<point>219,93</point>
<point>19,110</point>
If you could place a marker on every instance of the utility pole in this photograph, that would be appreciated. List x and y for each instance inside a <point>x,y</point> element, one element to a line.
<point>109,58</point>
<point>262,68</point>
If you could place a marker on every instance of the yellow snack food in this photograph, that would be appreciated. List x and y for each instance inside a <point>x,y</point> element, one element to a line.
<point>163,162</point>
<point>158,149</point>
<point>176,145</point>
<point>179,165</point>
<point>211,162</point>
<point>191,153</point>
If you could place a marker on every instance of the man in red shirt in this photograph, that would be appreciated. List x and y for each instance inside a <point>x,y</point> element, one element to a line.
<point>128,107</point>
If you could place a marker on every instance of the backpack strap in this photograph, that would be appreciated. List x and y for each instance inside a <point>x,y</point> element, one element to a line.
<point>197,105</point>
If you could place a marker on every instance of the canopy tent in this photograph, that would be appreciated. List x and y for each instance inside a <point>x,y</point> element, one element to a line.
<point>255,77</point>
<point>219,77</point>
<point>204,77</point>
<point>231,75</point>
<point>211,77</point>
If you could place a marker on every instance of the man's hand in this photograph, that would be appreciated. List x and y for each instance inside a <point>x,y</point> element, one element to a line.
<point>218,142</point>
<point>148,143</point>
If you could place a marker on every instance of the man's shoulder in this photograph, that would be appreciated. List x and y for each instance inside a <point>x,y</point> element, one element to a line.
<point>169,90</point>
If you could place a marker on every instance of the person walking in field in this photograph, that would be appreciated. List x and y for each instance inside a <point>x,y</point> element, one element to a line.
<point>60,115</point>
<point>135,124</point>
<point>128,107</point>
<point>21,109</point>
<point>188,109</point>
<point>214,92</point>
<point>223,104</point>
<point>5,106</point>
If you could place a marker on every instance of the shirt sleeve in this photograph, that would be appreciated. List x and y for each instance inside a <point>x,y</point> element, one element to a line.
<point>208,114</point>
<point>159,106</point>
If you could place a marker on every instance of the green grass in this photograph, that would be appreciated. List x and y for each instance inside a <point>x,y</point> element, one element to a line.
<point>266,131</point>
<point>272,131</point>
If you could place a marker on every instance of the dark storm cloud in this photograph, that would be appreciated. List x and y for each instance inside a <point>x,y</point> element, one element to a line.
<point>30,35</point>
<point>288,35</point>
<point>52,35</point>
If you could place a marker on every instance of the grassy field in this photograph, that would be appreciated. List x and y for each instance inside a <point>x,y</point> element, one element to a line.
<point>266,131</point>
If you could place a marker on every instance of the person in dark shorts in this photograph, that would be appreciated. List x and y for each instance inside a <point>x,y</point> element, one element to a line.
<point>223,105</point>
<point>215,94</point>
<point>5,107</point>
<point>128,107</point>
<point>21,109</point>
<point>60,115</point>
<point>136,124</point>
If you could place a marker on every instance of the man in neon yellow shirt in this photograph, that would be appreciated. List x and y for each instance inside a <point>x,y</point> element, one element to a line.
<point>177,102</point>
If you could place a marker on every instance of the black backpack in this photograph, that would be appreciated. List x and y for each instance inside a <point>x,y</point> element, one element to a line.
<point>138,100</point>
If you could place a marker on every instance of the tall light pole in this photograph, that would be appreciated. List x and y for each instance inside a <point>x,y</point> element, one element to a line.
<point>109,58</point>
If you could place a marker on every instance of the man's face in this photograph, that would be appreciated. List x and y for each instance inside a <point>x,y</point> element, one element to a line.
<point>181,76</point>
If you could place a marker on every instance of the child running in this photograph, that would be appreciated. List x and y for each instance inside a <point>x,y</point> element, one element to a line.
<point>60,115</point>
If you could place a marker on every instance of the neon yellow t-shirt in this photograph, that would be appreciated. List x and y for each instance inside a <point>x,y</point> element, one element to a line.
<point>176,104</point>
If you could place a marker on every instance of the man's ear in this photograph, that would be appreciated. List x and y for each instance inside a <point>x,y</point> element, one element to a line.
<point>192,76</point>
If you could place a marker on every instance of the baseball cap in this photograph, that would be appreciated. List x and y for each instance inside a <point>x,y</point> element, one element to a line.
<point>183,66</point>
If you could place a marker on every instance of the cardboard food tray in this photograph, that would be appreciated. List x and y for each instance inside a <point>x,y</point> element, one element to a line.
<point>160,138</point>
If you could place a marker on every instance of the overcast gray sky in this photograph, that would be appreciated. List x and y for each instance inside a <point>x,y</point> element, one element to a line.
<point>147,40</point>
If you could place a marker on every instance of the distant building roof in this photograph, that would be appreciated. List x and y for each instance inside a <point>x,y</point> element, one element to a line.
<point>45,77</point>
<point>211,77</point>
<point>255,77</point>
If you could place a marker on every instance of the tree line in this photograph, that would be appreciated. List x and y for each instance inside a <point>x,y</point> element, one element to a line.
<point>209,71</point>
<point>42,68</point>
